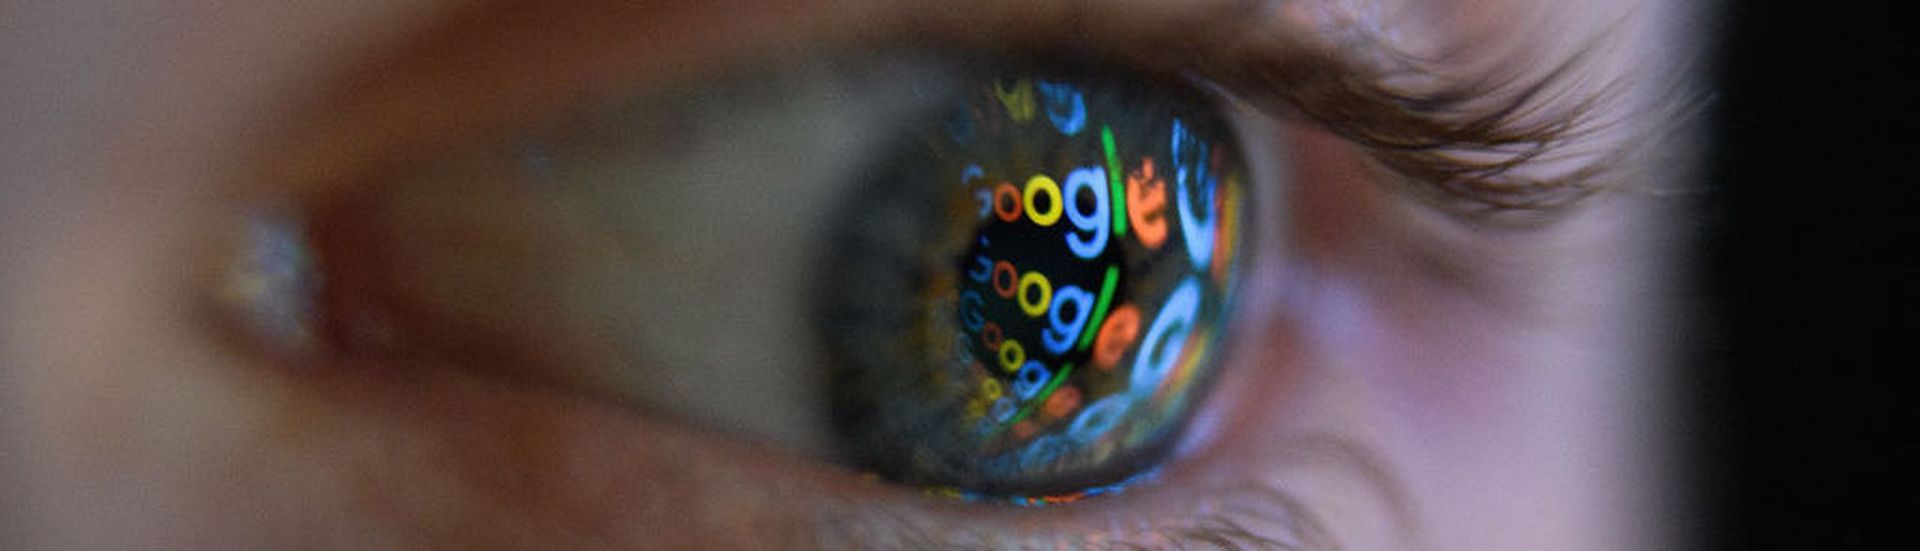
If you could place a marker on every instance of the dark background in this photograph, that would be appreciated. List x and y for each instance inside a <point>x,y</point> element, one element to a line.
<point>1802,387</point>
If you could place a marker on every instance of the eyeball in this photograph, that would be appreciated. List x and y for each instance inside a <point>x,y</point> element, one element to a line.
<point>1024,298</point>
<point>1017,299</point>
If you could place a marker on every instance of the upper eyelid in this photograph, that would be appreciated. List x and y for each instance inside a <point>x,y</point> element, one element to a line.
<point>500,66</point>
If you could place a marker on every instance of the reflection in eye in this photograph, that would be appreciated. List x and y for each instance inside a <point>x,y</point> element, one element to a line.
<point>999,284</point>
<point>1070,248</point>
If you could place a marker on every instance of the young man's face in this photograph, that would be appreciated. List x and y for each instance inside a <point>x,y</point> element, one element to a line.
<point>1429,351</point>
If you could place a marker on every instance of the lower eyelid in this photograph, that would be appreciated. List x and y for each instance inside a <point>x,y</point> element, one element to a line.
<point>452,458</point>
<point>440,455</point>
<point>1305,492</point>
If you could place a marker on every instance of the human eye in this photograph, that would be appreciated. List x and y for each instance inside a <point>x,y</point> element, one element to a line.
<point>623,274</point>
<point>986,277</point>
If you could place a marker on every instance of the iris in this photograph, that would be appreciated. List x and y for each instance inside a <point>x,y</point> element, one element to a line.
<point>1032,283</point>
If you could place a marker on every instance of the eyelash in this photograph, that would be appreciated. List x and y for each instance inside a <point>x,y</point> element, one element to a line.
<point>1472,143</point>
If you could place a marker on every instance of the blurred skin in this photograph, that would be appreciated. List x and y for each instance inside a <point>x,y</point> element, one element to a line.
<point>1416,378</point>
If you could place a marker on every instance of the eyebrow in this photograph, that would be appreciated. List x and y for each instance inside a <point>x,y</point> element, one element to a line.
<point>1472,142</point>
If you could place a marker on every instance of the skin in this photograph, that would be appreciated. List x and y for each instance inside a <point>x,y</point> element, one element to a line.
<point>1411,376</point>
